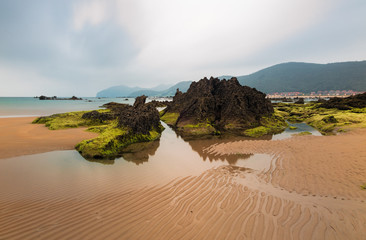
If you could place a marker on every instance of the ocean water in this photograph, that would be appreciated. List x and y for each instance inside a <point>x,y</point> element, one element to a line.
<point>29,106</point>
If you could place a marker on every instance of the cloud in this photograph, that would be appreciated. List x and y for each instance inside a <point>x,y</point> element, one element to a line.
<point>92,44</point>
<point>198,33</point>
<point>89,12</point>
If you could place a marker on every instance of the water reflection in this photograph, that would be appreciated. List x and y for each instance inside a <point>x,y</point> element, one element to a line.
<point>299,127</point>
<point>200,145</point>
<point>139,153</point>
<point>172,142</point>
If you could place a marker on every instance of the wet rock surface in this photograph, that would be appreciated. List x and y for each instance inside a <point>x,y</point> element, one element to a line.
<point>356,101</point>
<point>98,116</point>
<point>219,103</point>
<point>155,103</point>
<point>128,125</point>
<point>140,118</point>
<point>112,105</point>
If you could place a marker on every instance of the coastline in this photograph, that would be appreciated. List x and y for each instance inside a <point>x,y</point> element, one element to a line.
<point>20,137</point>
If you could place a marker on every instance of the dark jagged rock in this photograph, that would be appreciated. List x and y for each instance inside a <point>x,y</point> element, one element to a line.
<point>221,104</point>
<point>139,101</point>
<point>114,105</point>
<point>98,116</point>
<point>75,98</point>
<point>140,119</point>
<point>119,126</point>
<point>356,101</point>
<point>42,97</point>
<point>300,101</point>
<point>155,103</point>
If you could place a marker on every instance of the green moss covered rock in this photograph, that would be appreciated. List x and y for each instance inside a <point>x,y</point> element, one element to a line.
<point>118,127</point>
<point>327,121</point>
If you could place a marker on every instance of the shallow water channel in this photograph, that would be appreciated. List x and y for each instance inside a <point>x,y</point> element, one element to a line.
<point>67,173</point>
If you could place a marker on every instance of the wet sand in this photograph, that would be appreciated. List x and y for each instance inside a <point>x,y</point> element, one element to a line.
<point>309,190</point>
<point>20,137</point>
<point>219,204</point>
<point>332,166</point>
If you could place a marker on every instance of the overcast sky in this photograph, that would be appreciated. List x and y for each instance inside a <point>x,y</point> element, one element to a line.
<point>79,47</point>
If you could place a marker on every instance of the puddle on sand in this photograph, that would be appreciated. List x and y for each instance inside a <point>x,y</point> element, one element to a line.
<point>300,127</point>
<point>66,173</point>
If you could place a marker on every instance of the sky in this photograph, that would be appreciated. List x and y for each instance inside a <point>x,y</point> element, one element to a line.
<point>79,47</point>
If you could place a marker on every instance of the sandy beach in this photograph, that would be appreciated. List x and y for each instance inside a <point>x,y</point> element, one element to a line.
<point>310,191</point>
<point>20,137</point>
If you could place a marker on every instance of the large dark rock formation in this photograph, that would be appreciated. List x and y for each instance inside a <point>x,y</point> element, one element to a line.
<point>98,116</point>
<point>156,103</point>
<point>220,103</point>
<point>356,101</point>
<point>120,127</point>
<point>140,118</point>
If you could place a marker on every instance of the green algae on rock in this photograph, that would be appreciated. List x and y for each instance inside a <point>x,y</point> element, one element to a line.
<point>70,120</point>
<point>118,127</point>
<point>214,107</point>
<point>328,121</point>
<point>112,141</point>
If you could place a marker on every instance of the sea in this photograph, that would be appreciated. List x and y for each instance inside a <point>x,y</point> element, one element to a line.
<point>30,106</point>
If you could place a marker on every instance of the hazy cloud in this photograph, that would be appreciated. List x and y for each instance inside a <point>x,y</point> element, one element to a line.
<point>82,46</point>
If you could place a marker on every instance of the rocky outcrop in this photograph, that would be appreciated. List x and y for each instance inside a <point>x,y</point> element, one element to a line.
<point>42,97</point>
<point>356,101</point>
<point>98,116</point>
<point>139,101</point>
<point>156,104</point>
<point>140,117</point>
<point>112,105</point>
<point>299,101</point>
<point>222,104</point>
<point>129,124</point>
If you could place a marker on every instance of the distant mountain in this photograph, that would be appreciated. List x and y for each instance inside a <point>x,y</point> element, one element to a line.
<point>124,91</point>
<point>161,87</point>
<point>308,77</point>
<point>118,91</point>
<point>146,92</point>
<point>284,77</point>
<point>225,77</point>
<point>183,87</point>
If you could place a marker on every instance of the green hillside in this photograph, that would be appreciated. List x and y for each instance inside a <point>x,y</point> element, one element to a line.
<point>308,77</point>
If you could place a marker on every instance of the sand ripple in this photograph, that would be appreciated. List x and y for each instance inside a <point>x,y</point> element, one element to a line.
<point>218,204</point>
